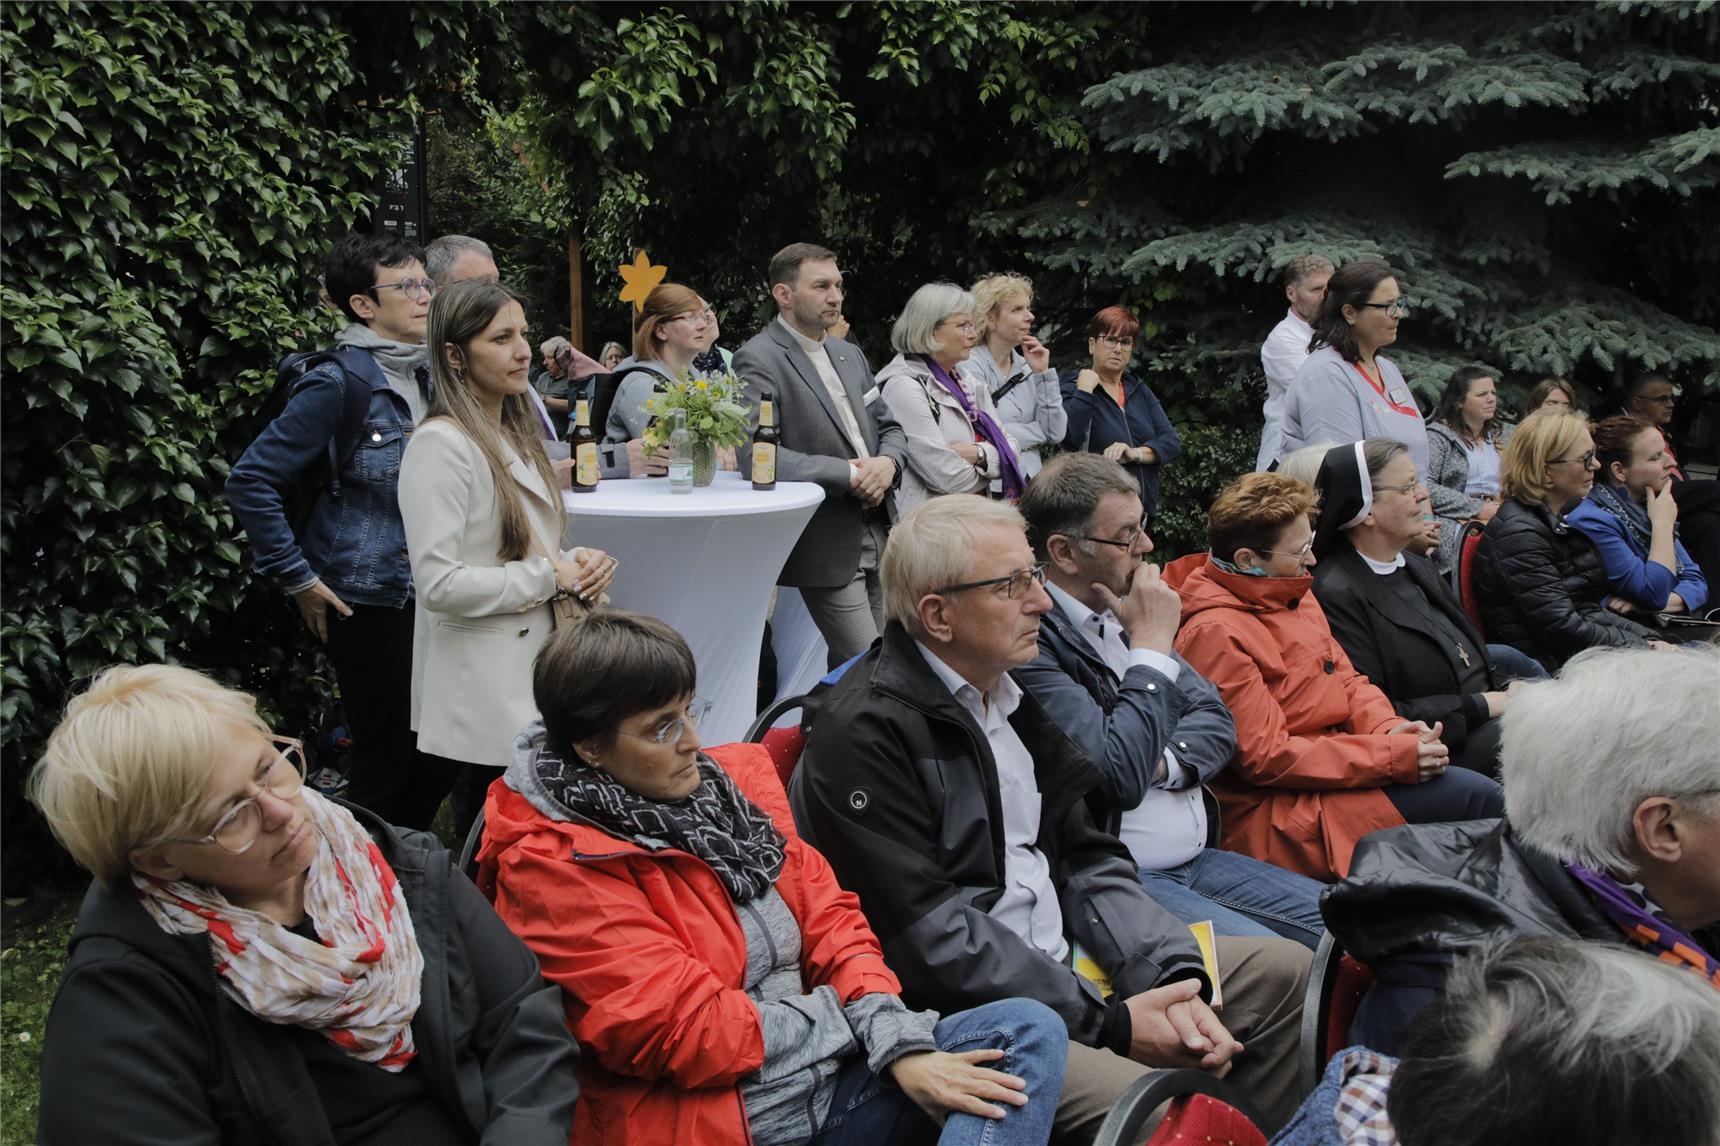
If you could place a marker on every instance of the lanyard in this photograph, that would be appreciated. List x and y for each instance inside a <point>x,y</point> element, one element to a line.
<point>1380,389</point>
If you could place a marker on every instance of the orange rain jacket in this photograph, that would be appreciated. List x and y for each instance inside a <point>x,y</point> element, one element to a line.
<point>1311,750</point>
<point>650,957</point>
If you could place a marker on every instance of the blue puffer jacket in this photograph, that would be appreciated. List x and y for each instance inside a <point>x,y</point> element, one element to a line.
<point>355,544</point>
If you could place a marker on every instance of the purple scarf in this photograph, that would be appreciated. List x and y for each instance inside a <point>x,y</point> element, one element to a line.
<point>1013,482</point>
<point>1629,912</point>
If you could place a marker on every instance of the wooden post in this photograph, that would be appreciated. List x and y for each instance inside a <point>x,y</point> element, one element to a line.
<point>576,295</point>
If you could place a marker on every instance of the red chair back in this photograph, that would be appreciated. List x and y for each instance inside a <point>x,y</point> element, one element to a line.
<point>1466,580</point>
<point>784,746</point>
<point>1353,981</point>
<point>1192,1118</point>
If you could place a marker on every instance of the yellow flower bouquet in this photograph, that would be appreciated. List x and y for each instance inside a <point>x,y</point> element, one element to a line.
<point>711,409</point>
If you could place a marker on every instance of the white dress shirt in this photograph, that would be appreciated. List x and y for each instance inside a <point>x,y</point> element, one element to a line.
<point>820,356</point>
<point>1168,827</point>
<point>1028,905</point>
<point>1281,356</point>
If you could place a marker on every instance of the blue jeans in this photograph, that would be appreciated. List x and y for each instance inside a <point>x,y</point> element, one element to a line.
<point>1513,664</point>
<point>1241,895</point>
<point>868,1109</point>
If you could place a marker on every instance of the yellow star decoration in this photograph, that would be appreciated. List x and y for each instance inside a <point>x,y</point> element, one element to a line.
<point>641,277</point>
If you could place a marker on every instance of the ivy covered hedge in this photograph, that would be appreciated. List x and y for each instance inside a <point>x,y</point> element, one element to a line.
<point>173,177</point>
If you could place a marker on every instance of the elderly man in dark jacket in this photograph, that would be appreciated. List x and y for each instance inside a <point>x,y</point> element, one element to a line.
<point>945,797</point>
<point>1158,730</point>
<point>1614,837</point>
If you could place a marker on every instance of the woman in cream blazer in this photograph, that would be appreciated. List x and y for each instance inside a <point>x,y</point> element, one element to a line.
<point>484,520</point>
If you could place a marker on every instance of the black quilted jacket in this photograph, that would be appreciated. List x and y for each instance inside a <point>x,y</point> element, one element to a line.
<point>1541,584</point>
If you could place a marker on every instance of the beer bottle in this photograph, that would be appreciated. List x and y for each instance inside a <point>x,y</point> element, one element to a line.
<point>764,441</point>
<point>584,449</point>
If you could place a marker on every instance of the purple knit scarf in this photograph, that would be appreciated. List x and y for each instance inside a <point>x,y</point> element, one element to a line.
<point>1013,481</point>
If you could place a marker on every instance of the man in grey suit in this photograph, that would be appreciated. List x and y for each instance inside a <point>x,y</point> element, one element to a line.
<point>834,431</point>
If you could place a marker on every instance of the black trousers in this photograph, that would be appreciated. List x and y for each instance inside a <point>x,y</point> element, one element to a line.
<point>371,652</point>
<point>1455,795</point>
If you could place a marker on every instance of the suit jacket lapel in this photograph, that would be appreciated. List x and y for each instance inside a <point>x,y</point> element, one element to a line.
<point>529,479</point>
<point>847,362</point>
<point>802,366</point>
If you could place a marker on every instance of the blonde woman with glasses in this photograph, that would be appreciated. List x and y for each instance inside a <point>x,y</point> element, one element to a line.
<point>256,963</point>
<point>1542,582</point>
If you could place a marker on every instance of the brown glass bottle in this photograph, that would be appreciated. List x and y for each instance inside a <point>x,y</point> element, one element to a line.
<point>764,441</point>
<point>585,468</point>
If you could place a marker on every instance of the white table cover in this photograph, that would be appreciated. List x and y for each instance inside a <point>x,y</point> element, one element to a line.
<point>703,562</point>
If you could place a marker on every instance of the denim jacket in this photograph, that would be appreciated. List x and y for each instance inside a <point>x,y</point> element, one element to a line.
<point>356,544</point>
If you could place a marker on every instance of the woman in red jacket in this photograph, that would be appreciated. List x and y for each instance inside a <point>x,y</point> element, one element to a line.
<point>725,988</point>
<point>1322,758</point>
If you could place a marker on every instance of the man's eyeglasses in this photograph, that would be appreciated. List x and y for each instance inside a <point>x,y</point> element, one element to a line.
<point>1020,582</point>
<point>671,731</point>
<point>1659,399</point>
<point>414,289</point>
<point>1126,543</point>
<point>238,829</point>
<point>1116,343</point>
<point>1396,308</point>
<point>1300,555</point>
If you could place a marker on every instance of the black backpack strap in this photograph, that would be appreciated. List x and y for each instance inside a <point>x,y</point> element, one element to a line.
<point>1008,385</point>
<point>356,373</point>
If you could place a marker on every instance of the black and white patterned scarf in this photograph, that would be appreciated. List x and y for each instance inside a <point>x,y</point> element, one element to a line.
<point>716,823</point>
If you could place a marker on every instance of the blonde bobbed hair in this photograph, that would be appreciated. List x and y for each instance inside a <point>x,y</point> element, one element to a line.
<point>130,763</point>
<point>1547,434</point>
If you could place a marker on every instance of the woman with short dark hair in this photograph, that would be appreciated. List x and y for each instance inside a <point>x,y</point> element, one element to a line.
<point>727,989</point>
<point>1322,758</point>
<point>1112,412</point>
<point>1347,391</point>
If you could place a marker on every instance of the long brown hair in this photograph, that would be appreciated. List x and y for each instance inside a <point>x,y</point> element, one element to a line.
<point>459,314</point>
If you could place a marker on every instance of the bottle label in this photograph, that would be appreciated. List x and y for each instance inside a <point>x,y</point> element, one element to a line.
<point>582,413</point>
<point>766,415</point>
<point>585,464</point>
<point>764,463</point>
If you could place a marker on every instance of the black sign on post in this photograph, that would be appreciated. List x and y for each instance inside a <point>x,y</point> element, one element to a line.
<point>400,208</point>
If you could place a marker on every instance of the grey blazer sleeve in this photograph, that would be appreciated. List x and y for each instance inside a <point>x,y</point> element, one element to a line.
<point>761,366</point>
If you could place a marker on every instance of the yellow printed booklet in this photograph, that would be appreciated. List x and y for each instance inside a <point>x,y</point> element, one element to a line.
<point>1203,936</point>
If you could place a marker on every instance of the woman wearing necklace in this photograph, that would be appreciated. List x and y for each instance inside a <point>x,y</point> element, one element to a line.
<point>1114,413</point>
<point>1346,391</point>
<point>1393,613</point>
<point>955,442</point>
<point>1464,436</point>
<point>1631,518</point>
